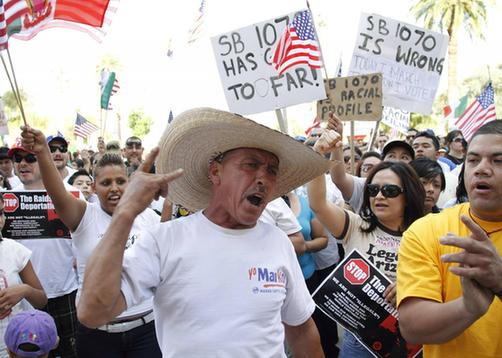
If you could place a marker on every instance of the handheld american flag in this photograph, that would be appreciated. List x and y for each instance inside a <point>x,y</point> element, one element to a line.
<point>3,28</point>
<point>196,30</point>
<point>481,111</point>
<point>83,128</point>
<point>298,45</point>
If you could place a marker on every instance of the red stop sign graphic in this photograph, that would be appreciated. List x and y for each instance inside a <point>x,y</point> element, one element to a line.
<point>356,271</point>
<point>11,202</point>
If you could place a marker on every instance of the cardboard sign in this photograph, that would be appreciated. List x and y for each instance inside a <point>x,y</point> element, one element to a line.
<point>250,81</point>
<point>353,98</point>
<point>410,58</point>
<point>352,295</point>
<point>396,118</point>
<point>31,215</point>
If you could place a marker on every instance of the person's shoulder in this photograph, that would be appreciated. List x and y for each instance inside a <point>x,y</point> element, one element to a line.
<point>12,245</point>
<point>442,220</point>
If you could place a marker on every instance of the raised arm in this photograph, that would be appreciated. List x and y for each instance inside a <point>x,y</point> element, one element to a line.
<point>69,208</point>
<point>101,298</point>
<point>329,214</point>
<point>343,181</point>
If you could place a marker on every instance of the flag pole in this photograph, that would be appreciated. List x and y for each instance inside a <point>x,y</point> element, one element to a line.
<point>489,75</point>
<point>319,42</point>
<point>17,87</point>
<point>14,92</point>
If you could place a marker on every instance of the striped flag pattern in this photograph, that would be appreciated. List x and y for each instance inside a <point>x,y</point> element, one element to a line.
<point>298,45</point>
<point>91,17</point>
<point>83,128</point>
<point>196,30</point>
<point>481,111</point>
<point>3,28</point>
<point>315,124</point>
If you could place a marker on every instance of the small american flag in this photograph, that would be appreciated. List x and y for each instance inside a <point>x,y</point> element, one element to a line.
<point>298,45</point>
<point>196,30</point>
<point>481,111</point>
<point>115,87</point>
<point>83,128</point>
<point>315,124</point>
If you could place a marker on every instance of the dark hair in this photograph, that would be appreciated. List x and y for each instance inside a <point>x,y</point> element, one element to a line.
<point>4,153</point>
<point>493,127</point>
<point>108,159</point>
<point>452,135</point>
<point>414,195</point>
<point>461,191</point>
<point>429,134</point>
<point>78,173</point>
<point>428,169</point>
<point>369,154</point>
<point>413,129</point>
<point>79,162</point>
<point>357,150</point>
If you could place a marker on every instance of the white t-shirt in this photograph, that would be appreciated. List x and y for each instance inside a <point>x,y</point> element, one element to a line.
<point>13,259</point>
<point>52,260</point>
<point>356,200</point>
<point>89,233</point>
<point>278,213</point>
<point>379,246</point>
<point>217,292</point>
<point>14,181</point>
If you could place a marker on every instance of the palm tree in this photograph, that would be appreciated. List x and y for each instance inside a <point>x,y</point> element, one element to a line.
<point>450,15</point>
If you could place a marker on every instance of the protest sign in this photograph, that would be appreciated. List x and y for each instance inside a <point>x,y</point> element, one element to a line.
<point>410,58</point>
<point>31,215</point>
<point>352,295</point>
<point>250,81</point>
<point>353,98</point>
<point>396,118</point>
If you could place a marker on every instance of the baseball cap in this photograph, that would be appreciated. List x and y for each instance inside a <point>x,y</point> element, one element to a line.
<point>31,334</point>
<point>18,145</point>
<point>58,137</point>
<point>397,143</point>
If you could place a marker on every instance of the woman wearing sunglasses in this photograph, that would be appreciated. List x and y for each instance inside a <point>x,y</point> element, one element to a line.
<point>456,144</point>
<point>393,199</point>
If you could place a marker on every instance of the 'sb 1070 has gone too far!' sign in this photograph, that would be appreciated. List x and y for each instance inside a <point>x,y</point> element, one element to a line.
<point>31,215</point>
<point>251,82</point>
<point>354,98</point>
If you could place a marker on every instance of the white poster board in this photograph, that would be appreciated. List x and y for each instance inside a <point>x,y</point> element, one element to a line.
<point>410,58</point>
<point>396,118</point>
<point>250,81</point>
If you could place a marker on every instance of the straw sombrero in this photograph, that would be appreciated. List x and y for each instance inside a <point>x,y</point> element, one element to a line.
<point>196,136</point>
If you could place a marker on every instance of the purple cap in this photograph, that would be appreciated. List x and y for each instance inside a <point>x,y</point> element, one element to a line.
<point>34,327</point>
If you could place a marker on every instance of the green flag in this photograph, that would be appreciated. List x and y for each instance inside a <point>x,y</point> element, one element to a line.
<point>107,81</point>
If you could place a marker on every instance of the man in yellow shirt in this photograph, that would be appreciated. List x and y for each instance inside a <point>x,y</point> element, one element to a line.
<point>449,278</point>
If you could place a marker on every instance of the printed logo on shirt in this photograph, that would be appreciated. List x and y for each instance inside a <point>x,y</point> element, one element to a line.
<point>130,240</point>
<point>267,280</point>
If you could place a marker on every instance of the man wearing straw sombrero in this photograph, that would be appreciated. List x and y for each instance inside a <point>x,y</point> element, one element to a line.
<point>223,283</point>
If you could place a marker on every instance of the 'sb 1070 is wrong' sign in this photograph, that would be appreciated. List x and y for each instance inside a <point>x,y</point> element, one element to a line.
<point>352,295</point>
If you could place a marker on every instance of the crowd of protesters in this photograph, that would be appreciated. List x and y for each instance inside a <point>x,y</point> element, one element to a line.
<point>150,276</point>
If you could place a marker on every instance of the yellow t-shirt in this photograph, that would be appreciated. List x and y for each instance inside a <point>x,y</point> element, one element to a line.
<point>422,274</point>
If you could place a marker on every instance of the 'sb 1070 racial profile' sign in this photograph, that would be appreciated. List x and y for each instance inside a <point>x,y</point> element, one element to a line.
<point>354,98</point>
<point>352,295</point>
<point>31,215</point>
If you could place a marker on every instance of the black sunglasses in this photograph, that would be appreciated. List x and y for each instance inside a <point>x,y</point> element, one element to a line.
<point>62,148</point>
<point>29,158</point>
<point>387,190</point>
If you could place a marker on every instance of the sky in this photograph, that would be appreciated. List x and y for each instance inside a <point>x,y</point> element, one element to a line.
<point>59,68</point>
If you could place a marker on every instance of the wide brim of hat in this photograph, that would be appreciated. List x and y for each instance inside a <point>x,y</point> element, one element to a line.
<point>196,136</point>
